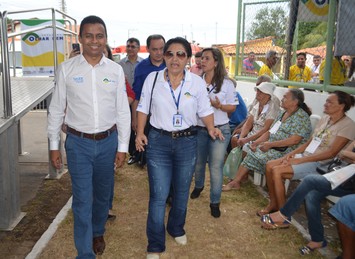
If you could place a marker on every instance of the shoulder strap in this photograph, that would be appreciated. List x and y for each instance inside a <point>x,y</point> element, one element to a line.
<point>151,94</point>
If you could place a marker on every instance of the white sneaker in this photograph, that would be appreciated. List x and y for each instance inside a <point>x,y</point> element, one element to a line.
<point>181,240</point>
<point>153,256</point>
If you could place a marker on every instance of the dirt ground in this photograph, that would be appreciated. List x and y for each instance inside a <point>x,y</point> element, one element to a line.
<point>51,196</point>
<point>236,234</point>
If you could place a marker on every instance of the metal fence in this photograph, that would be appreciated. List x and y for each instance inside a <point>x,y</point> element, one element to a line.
<point>322,30</point>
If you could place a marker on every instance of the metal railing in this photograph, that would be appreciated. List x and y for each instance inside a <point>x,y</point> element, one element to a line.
<point>5,68</point>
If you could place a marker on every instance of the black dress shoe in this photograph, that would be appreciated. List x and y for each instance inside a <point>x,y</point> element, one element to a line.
<point>215,212</point>
<point>131,160</point>
<point>196,193</point>
<point>98,245</point>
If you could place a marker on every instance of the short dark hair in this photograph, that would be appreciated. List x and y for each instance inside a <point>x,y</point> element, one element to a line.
<point>198,54</point>
<point>183,42</point>
<point>130,40</point>
<point>92,19</point>
<point>109,52</point>
<point>317,56</point>
<point>301,54</point>
<point>154,37</point>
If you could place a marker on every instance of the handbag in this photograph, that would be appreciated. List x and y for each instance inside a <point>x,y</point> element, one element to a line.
<point>141,155</point>
<point>280,149</point>
<point>344,177</point>
<point>332,165</point>
<point>233,162</point>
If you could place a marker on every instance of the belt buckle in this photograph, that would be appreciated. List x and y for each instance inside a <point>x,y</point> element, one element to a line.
<point>174,135</point>
<point>94,136</point>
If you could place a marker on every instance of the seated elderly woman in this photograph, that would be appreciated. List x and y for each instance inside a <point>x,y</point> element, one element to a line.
<point>332,133</point>
<point>313,189</point>
<point>262,113</point>
<point>264,109</point>
<point>291,129</point>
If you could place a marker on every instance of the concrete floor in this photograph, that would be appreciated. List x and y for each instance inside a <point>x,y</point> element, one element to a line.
<point>34,157</point>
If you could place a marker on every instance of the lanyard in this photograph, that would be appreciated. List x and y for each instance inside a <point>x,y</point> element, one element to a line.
<point>301,72</point>
<point>210,90</point>
<point>328,126</point>
<point>172,91</point>
<point>288,116</point>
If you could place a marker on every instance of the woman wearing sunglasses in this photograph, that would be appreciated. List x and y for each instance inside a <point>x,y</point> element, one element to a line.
<point>223,97</point>
<point>174,100</point>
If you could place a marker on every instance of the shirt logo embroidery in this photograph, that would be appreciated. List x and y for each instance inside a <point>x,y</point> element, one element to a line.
<point>107,81</point>
<point>78,79</point>
<point>188,95</point>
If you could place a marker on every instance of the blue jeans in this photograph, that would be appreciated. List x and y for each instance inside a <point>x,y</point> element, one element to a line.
<point>169,162</point>
<point>91,167</point>
<point>112,193</point>
<point>214,152</point>
<point>344,211</point>
<point>313,189</point>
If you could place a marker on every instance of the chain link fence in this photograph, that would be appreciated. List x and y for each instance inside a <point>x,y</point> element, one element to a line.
<point>274,33</point>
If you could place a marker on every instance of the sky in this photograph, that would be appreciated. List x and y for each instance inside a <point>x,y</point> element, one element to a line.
<point>199,21</point>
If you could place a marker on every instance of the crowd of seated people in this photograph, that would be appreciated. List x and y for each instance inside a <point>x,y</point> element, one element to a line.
<point>313,189</point>
<point>262,112</point>
<point>288,150</point>
<point>291,128</point>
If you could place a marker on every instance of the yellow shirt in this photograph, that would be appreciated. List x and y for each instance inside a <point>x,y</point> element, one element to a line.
<point>265,70</point>
<point>298,74</point>
<point>338,75</point>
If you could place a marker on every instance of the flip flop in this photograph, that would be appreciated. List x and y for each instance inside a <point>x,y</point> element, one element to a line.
<point>269,224</point>
<point>305,250</point>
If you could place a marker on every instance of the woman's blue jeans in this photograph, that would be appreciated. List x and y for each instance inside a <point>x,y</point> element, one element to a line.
<point>91,167</point>
<point>170,161</point>
<point>313,189</point>
<point>214,152</point>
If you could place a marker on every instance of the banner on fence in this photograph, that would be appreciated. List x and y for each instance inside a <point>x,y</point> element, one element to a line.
<point>313,10</point>
<point>37,48</point>
<point>344,43</point>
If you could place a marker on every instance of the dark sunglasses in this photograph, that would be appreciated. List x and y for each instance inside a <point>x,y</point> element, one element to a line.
<point>130,47</point>
<point>180,54</point>
<point>347,60</point>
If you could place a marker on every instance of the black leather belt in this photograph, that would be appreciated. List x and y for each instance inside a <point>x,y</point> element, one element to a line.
<point>218,126</point>
<point>177,134</point>
<point>94,136</point>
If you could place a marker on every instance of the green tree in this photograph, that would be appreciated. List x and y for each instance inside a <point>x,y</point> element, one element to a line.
<point>317,37</point>
<point>269,22</point>
<point>305,28</point>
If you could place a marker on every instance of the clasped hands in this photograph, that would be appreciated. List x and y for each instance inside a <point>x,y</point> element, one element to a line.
<point>263,146</point>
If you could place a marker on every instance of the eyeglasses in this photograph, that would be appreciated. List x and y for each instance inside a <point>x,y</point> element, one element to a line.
<point>131,47</point>
<point>347,60</point>
<point>180,54</point>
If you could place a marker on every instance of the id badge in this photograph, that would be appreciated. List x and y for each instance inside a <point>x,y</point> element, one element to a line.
<point>275,128</point>
<point>177,120</point>
<point>313,145</point>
